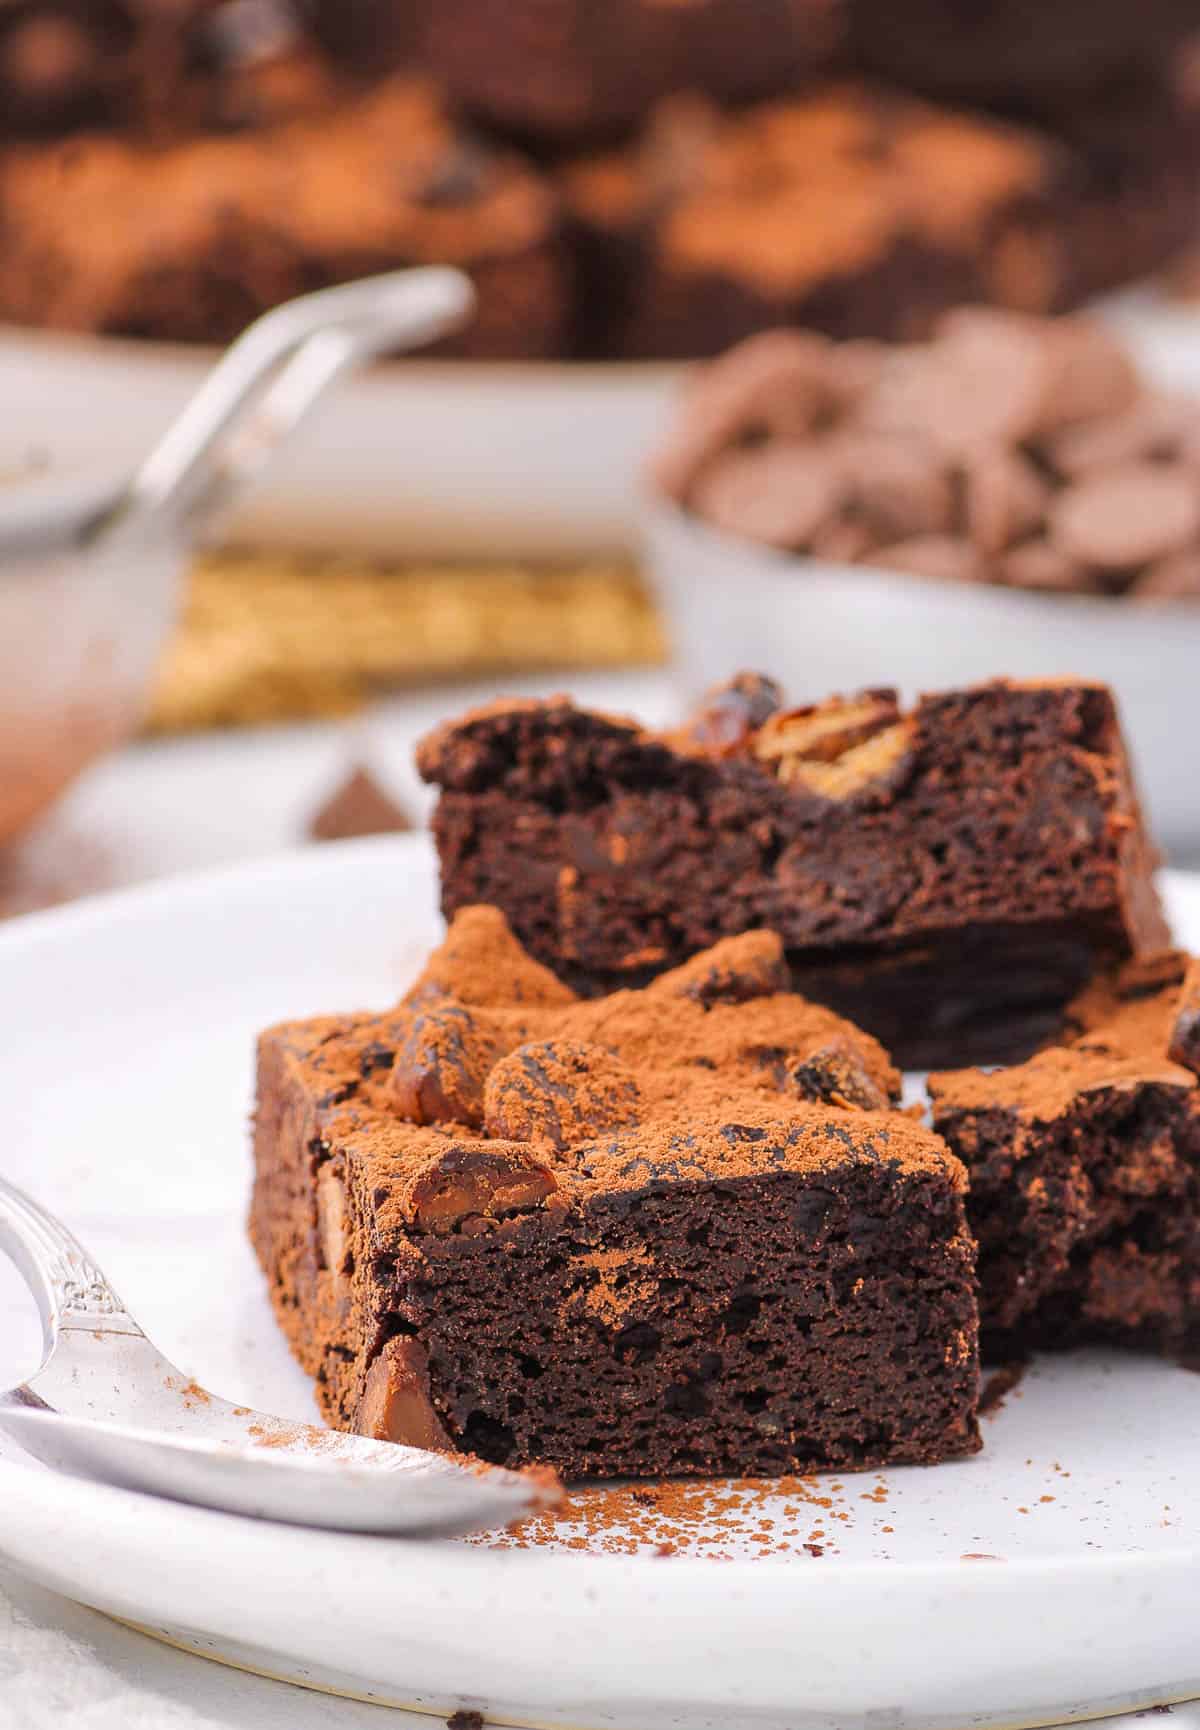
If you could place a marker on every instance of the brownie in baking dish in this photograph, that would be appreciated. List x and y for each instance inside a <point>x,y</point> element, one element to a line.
<point>674,1231</point>
<point>566,70</point>
<point>947,876</point>
<point>191,239</point>
<point>1084,1171</point>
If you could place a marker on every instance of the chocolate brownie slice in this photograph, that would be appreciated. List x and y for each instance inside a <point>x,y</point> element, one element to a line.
<point>851,210</point>
<point>1085,1174</point>
<point>947,876</point>
<point>569,69</point>
<point>191,240</point>
<point>672,1231</point>
<point>862,212</point>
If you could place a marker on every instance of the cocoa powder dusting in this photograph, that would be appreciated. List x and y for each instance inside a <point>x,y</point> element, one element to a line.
<point>492,1089</point>
<point>787,1516</point>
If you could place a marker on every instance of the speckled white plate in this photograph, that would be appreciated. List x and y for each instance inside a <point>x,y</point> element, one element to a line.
<point>1055,1576</point>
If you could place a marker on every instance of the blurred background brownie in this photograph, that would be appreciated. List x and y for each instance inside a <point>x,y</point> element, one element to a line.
<point>997,51</point>
<point>569,69</point>
<point>854,211</point>
<point>370,36</point>
<point>155,67</point>
<point>193,238</point>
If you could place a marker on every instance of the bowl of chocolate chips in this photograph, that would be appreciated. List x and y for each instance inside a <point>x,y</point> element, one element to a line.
<point>1012,496</point>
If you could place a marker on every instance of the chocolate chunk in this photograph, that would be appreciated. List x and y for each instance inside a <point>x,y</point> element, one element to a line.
<point>1127,517</point>
<point>899,487</point>
<point>1185,1032</point>
<point>559,1091</point>
<point>835,1075</point>
<point>331,1220</point>
<point>358,807</point>
<point>1037,564</point>
<point>772,386</point>
<point>731,712</point>
<point>1173,579</point>
<point>396,1404</point>
<point>1151,427</point>
<point>733,971</point>
<point>944,557</point>
<point>779,494</point>
<point>1005,499</point>
<point>476,1180</point>
<point>441,1066</point>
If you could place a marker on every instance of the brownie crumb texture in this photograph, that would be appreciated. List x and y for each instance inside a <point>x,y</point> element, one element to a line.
<point>1085,1173</point>
<point>981,855</point>
<point>676,1230</point>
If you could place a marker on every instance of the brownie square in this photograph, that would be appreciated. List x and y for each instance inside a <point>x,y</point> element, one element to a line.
<point>191,239</point>
<point>1084,1171</point>
<point>674,1231</point>
<point>947,876</point>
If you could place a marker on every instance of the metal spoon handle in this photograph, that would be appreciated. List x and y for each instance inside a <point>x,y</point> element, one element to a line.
<point>70,1289</point>
<point>266,383</point>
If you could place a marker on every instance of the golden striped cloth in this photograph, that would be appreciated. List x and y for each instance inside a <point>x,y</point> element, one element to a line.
<point>269,636</point>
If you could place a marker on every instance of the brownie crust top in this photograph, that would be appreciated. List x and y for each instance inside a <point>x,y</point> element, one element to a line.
<point>491,1089</point>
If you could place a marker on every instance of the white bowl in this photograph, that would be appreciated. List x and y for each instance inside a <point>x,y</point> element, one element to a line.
<point>822,628</point>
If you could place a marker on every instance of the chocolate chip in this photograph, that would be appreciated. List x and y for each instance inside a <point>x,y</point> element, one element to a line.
<point>1152,427</point>
<point>469,1180</point>
<point>1184,1044</point>
<point>1038,565</point>
<point>559,1091</point>
<point>1127,517</point>
<point>899,487</point>
<point>772,386</point>
<point>735,970</point>
<point>396,1404</point>
<point>731,712</point>
<point>1004,498</point>
<point>778,494</point>
<point>1173,579</point>
<point>836,1075</point>
<point>441,1066</point>
<point>946,558</point>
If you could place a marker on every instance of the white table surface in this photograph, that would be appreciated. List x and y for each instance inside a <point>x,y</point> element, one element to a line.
<point>156,809</point>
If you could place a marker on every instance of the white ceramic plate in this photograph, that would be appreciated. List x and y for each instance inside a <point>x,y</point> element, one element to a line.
<point>125,1061</point>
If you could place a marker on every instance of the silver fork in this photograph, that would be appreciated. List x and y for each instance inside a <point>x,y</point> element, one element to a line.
<point>106,1404</point>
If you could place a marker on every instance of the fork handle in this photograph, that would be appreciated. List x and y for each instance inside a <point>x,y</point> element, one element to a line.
<point>70,1289</point>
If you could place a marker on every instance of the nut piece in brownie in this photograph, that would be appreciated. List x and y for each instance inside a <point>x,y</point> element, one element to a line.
<point>947,876</point>
<point>191,240</point>
<point>676,1230</point>
<point>1085,1172</point>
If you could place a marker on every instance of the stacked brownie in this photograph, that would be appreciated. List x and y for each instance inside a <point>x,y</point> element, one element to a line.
<point>605,1191</point>
<point>682,174</point>
<point>681,1230</point>
<point>1008,449</point>
<point>948,876</point>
